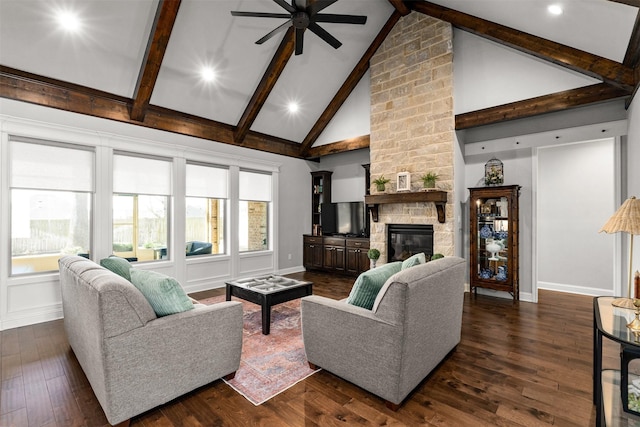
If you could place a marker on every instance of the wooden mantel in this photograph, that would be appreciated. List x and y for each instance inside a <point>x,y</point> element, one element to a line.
<point>438,197</point>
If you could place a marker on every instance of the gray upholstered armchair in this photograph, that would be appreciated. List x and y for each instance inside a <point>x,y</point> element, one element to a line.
<point>415,323</point>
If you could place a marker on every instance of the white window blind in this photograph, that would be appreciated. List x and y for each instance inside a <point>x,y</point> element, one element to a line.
<point>207,181</point>
<point>255,186</point>
<point>141,175</point>
<point>55,167</point>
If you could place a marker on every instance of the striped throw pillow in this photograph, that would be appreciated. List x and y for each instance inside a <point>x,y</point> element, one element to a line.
<point>368,284</point>
<point>164,293</point>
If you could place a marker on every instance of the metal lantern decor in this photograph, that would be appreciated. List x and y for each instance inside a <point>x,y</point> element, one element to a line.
<point>493,172</point>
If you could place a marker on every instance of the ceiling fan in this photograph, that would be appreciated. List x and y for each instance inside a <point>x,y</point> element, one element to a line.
<point>303,14</point>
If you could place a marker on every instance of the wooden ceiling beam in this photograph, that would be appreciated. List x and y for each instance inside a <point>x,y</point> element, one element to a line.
<point>347,87</point>
<point>268,81</point>
<point>156,48</point>
<point>635,3</point>
<point>401,7</point>
<point>632,56</point>
<point>586,63</point>
<point>540,105</point>
<point>26,87</point>
<point>339,147</point>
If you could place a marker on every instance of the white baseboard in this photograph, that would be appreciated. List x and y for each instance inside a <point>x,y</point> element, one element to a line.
<point>572,289</point>
<point>291,270</point>
<point>31,317</point>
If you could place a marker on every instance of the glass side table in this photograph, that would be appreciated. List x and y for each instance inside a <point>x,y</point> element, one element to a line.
<point>611,322</point>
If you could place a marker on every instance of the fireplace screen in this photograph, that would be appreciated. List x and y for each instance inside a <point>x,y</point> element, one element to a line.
<point>405,240</point>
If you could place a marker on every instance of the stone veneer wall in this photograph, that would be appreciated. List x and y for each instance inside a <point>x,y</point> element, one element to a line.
<point>412,122</point>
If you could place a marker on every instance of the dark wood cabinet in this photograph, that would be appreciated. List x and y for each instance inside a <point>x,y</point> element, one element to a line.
<point>320,193</point>
<point>336,254</point>
<point>357,259</point>
<point>494,239</point>
<point>312,252</point>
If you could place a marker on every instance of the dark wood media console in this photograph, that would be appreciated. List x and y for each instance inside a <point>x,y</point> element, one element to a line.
<point>346,255</point>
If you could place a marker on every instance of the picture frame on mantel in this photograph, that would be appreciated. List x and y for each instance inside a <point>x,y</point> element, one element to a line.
<point>403,182</point>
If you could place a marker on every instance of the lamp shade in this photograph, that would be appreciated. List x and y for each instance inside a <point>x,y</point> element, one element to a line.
<point>626,218</point>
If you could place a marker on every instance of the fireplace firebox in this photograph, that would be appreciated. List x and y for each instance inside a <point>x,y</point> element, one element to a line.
<point>405,240</point>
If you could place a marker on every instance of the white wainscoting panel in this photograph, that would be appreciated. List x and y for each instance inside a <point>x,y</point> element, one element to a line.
<point>255,263</point>
<point>207,273</point>
<point>32,300</point>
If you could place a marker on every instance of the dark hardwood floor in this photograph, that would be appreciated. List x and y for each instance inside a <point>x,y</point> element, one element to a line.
<point>524,364</point>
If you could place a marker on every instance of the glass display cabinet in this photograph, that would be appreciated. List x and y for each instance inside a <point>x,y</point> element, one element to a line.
<point>494,238</point>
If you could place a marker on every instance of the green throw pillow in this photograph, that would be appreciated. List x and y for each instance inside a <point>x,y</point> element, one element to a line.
<point>118,265</point>
<point>416,259</point>
<point>368,284</point>
<point>164,293</point>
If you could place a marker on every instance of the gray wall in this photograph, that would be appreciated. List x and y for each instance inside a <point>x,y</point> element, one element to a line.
<point>576,189</point>
<point>348,179</point>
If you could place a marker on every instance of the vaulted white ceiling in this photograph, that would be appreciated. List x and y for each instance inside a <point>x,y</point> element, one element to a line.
<point>108,51</point>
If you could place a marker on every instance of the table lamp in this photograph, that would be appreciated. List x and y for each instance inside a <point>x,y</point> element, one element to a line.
<point>626,219</point>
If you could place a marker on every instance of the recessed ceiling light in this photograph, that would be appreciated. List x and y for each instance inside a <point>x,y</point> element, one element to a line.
<point>68,20</point>
<point>555,9</point>
<point>293,107</point>
<point>208,74</point>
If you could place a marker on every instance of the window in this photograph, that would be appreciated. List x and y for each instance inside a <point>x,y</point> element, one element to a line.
<point>206,201</point>
<point>51,199</point>
<point>141,187</point>
<point>254,207</point>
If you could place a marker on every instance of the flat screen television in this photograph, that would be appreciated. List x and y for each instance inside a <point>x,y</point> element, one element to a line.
<point>343,218</point>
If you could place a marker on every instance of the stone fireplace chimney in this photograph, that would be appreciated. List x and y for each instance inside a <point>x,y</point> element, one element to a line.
<point>412,122</point>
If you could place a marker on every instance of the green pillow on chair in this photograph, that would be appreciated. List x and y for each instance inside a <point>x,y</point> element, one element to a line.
<point>368,284</point>
<point>416,259</point>
<point>118,265</point>
<point>164,293</point>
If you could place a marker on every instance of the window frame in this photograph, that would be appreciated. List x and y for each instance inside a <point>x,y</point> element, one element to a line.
<point>89,191</point>
<point>161,253</point>
<point>269,209</point>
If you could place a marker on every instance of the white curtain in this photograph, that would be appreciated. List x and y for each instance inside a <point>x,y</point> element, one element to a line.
<point>255,186</point>
<point>141,175</point>
<point>53,167</point>
<point>207,181</point>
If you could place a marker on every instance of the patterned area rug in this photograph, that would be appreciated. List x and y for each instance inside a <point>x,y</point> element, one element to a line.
<point>272,363</point>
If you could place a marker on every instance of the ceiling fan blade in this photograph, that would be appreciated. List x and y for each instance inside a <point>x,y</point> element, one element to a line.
<point>274,32</point>
<point>340,19</point>
<point>299,40</point>
<point>318,5</point>
<point>324,35</point>
<point>260,14</point>
<point>286,6</point>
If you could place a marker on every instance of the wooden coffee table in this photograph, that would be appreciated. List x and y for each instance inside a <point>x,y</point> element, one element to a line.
<point>267,291</point>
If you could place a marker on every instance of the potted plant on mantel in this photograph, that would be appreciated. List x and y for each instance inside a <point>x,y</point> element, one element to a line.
<point>429,179</point>
<point>373,255</point>
<point>381,182</point>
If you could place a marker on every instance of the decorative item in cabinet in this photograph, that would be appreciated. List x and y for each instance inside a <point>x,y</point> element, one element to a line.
<point>494,238</point>
<point>320,193</point>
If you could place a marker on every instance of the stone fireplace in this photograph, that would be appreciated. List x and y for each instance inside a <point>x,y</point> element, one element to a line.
<point>405,240</point>
<point>412,125</point>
